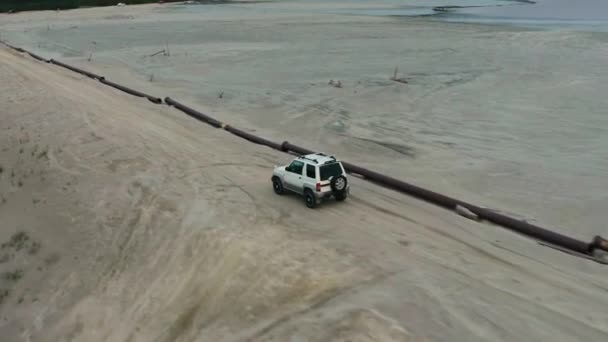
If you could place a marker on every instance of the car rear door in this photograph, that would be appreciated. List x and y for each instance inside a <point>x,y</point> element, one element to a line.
<point>310,177</point>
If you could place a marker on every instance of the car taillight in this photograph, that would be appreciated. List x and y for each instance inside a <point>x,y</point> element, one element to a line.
<point>318,187</point>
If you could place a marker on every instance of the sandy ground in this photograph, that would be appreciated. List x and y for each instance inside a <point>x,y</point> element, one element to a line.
<point>140,224</point>
<point>126,221</point>
<point>504,117</point>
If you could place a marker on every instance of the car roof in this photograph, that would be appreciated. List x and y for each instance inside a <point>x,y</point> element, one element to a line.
<point>318,158</point>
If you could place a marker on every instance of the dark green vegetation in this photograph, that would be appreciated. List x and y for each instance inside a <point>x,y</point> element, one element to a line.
<point>35,5</point>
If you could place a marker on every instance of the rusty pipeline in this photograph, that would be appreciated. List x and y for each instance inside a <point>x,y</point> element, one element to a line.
<point>133,92</point>
<point>80,71</point>
<point>194,113</point>
<point>253,138</point>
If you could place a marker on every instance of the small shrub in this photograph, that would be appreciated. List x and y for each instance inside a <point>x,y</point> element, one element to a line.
<point>3,295</point>
<point>15,276</point>
<point>18,240</point>
<point>43,154</point>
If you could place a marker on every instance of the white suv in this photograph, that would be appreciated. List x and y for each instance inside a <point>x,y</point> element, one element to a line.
<point>315,176</point>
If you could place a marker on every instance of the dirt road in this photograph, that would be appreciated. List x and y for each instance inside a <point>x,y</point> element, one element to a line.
<point>140,224</point>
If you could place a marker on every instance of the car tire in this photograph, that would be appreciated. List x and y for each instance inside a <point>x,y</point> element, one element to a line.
<point>338,185</point>
<point>310,199</point>
<point>277,186</point>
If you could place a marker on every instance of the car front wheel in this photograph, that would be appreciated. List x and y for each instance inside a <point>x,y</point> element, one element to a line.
<point>277,186</point>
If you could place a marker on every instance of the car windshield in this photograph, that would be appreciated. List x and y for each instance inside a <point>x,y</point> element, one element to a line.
<point>331,170</point>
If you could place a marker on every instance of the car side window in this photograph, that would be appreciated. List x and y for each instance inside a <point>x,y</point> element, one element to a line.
<point>310,171</point>
<point>296,167</point>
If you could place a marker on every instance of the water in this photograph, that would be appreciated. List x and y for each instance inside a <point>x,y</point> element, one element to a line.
<point>550,14</point>
<point>553,14</point>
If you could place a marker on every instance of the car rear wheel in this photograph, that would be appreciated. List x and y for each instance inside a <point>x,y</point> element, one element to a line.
<point>277,186</point>
<point>310,199</point>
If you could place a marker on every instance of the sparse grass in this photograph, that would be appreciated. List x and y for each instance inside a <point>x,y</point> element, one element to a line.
<point>14,276</point>
<point>20,183</point>
<point>20,300</point>
<point>21,150</point>
<point>5,258</point>
<point>1,169</point>
<point>34,248</point>
<point>17,241</point>
<point>4,293</point>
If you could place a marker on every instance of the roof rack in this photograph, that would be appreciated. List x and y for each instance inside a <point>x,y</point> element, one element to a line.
<point>314,160</point>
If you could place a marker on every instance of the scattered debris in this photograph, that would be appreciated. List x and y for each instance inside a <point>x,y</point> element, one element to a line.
<point>163,51</point>
<point>399,79</point>
<point>167,51</point>
<point>220,94</point>
<point>336,84</point>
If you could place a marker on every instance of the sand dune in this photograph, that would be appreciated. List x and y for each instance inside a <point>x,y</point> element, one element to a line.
<point>144,225</point>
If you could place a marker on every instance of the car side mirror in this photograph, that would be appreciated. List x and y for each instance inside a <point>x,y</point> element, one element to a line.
<point>288,168</point>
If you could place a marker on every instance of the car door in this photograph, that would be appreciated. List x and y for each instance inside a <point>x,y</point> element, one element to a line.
<point>310,176</point>
<point>293,176</point>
